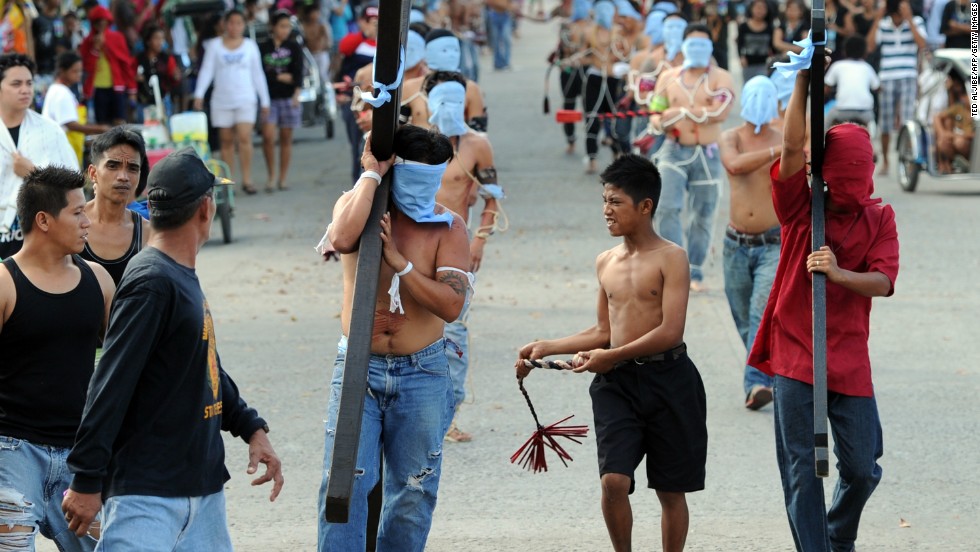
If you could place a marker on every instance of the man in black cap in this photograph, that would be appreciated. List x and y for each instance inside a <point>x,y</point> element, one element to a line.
<point>149,443</point>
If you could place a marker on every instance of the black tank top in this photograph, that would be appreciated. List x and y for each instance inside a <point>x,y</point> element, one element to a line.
<point>47,348</point>
<point>117,267</point>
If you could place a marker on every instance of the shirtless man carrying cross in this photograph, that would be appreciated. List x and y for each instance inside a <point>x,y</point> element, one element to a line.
<point>692,103</point>
<point>409,402</point>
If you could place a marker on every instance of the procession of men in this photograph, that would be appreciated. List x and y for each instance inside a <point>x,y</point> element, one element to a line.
<point>703,308</point>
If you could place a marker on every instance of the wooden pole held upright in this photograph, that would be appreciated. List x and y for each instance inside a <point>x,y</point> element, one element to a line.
<point>818,34</point>
<point>392,30</point>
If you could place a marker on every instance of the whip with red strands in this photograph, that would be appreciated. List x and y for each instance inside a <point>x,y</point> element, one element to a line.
<point>531,456</point>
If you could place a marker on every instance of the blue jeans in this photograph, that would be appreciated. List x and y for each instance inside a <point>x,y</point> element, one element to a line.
<point>33,479</point>
<point>458,352</point>
<point>469,64</point>
<point>501,26</point>
<point>691,176</point>
<point>165,524</point>
<point>857,446</point>
<point>407,411</point>
<point>749,273</point>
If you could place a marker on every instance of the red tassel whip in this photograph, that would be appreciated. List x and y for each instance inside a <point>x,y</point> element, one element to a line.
<point>531,455</point>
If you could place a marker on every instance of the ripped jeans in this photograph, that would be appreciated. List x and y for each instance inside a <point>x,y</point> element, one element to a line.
<point>407,411</point>
<point>33,479</point>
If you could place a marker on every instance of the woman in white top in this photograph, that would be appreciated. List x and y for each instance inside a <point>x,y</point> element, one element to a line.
<point>234,65</point>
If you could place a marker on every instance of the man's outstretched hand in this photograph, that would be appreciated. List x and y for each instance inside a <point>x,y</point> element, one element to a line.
<point>260,452</point>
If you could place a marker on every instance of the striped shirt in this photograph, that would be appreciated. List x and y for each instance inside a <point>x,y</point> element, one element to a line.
<point>899,52</point>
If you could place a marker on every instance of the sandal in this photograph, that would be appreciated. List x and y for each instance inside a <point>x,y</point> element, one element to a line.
<point>456,435</point>
<point>282,187</point>
<point>249,189</point>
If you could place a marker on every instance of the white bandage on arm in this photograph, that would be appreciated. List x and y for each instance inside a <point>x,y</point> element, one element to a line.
<point>325,244</point>
<point>394,292</point>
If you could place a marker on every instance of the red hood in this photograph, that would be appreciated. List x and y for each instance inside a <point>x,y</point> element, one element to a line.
<point>848,167</point>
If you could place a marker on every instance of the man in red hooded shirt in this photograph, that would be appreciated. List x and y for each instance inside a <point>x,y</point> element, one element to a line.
<point>860,262</point>
<point>110,71</point>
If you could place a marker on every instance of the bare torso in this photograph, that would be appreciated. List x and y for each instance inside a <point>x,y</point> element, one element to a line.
<point>702,93</point>
<point>751,209</point>
<point>459,188</point>
<point>606,48</point>
<point>634,284</point>
<point>395,333</point>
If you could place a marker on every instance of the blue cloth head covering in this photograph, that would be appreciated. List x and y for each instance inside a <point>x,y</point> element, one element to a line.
<point>655,27</point>
<point>697,51</point>
<point>625,9</point>
<point>759,102</point>
<point>414,49</point>
<point>673,32</point>
<point>581,9</point>
<point>414,188</point>
<point>447,102</point>
<point>442,54</point>
<point>784,87</point>
<point>666,7</point>
<point>604,12</point>
<point>416,16</point>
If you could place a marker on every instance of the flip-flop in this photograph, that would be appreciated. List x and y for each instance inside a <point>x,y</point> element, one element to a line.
<point>249,189</point>
<point>283,187</point>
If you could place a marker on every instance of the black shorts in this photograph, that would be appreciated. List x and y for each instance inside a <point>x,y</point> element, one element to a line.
<point>658,410</point>
<point>110,106</point>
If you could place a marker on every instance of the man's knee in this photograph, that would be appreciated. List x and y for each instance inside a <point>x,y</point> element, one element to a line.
<point>615,486</point>
<point>671,501</point>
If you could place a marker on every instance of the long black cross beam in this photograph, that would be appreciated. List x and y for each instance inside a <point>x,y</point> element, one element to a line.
<point>818,35</point>
<point>392,30</point>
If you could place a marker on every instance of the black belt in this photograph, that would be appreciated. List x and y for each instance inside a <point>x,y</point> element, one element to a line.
<point>770,236</point>
<point>673,354</point>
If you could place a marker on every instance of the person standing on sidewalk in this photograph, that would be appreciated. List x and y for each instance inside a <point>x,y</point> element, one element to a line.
<point>751,250</point>
<point>501,24</point>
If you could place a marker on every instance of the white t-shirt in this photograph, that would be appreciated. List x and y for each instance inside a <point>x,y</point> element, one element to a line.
<point>854,79</point>
<point>60,105</point>
<point>237,75</point>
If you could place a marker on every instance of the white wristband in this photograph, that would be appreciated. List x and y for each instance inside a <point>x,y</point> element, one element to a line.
<point>408,269</point>
<point>372,175</point>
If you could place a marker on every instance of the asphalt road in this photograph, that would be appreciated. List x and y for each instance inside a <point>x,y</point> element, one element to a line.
<point>276,307</point>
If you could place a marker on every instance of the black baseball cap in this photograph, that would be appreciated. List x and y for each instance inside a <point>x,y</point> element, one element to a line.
<point>179,179</point>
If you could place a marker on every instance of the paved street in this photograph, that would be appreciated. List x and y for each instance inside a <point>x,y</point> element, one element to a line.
<point>276,307</point>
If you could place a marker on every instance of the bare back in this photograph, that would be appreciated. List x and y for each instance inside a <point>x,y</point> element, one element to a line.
<point>643,289</point>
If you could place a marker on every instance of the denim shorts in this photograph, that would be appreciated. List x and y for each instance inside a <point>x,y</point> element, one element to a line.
<point>33,480</point>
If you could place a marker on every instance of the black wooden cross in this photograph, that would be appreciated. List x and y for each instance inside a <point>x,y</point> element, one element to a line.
<point>818,34</point>
<point>392,30</point>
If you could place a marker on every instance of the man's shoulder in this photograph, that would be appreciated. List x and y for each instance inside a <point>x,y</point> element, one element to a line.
<point>473,140</point>
<point>719,75</point>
